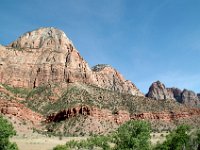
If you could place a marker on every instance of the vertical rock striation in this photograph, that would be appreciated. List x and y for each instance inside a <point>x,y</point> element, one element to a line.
<point>46,55</point>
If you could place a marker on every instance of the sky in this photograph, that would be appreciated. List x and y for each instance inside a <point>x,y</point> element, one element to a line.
<point>145,40</point>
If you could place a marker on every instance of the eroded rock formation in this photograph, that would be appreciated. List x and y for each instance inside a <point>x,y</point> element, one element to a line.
<point>46,55</point>
<point>158,91</point>
<point>189,97</point>
<point>13,108</point>
<point>120,116</point>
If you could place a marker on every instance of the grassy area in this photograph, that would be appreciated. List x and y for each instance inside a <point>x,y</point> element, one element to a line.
<point>20,92</point>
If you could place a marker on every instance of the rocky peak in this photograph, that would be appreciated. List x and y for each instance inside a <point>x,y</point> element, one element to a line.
<point>42,37</point>
<point>100,67</point>
<point>46,55</point>
<point>158,91</point>
<point>109,78</point>
<point>189,97</point>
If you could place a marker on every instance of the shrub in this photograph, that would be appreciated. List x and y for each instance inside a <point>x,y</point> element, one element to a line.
<point>133,135</point>
<point>90,143</point>
<point>61,147</point>
<point>6,131</point>
<point>195,140</point>
<point>178,139</point>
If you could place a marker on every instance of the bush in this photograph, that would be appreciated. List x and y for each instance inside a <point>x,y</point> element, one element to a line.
<point>195,140</point>
<point>198,139</point>
<point>6,131</point>
<point>133,135</point>
<point>136,135</point>
<point>90,143</point>
<point>178,139</point>
<point>61,147</point>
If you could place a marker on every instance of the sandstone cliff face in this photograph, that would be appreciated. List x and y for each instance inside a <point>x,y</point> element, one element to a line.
<point>46,55</point>
<point>176,93</point>
<point>159,91</point>
<point>13,108</point>
<point>189,97</point>
<point>107,77</point>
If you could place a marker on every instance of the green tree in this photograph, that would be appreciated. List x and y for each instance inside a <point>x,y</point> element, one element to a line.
<point>198,139</point>
<point>6,131</point>
<point>195,140</point>
<point>133,135</point>
<point>178,139</point>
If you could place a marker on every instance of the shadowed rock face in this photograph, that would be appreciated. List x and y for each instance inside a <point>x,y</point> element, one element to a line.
<point>189,97</point>
<point>158,91</point>
<point>198,95</point>
<point>46,55</point>
<point>176,93</point>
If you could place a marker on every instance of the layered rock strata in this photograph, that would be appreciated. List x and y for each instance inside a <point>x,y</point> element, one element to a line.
<point>47,55</point>
<point>13,108</point>
<point>120,116</point>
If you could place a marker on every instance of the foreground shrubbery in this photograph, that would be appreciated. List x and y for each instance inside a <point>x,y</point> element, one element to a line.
<point>181,139</point>
<point>132,135</point>
<point>90,143</point>
<point>135,135</point>
<point>6,131</point>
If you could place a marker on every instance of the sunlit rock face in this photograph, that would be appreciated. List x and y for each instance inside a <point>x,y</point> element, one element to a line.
<point>46,55</point>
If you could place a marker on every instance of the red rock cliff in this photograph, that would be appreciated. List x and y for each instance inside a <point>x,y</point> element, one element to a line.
<point>46,55</point>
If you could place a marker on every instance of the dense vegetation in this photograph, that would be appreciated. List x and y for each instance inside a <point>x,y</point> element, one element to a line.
<point>6,131</point>
<point>181,139</point>
<point>135,135</point>
<point>131,135</point>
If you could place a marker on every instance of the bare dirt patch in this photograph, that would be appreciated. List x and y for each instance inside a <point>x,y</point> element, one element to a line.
<point>40,142</point>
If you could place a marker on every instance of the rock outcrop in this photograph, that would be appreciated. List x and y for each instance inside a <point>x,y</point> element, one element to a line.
<point>198,95</point>
<point>158,91</point>
<point>107,77</point>
<point>176,93</point>
<point>13,108</point>
<point>189,97</point>
<point>46,55</point>
<point>120,116</point>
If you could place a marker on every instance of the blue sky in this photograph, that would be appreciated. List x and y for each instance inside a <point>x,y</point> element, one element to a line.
<point>146,40</point>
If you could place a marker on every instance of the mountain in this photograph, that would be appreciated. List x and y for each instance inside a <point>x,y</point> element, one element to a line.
<point>158,91</point>
<point>46,55</point>
<point>45,83</point>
